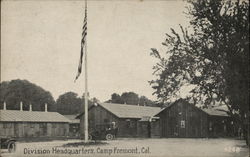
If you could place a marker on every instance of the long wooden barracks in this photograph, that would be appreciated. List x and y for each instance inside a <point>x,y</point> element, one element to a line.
<point>179,119</point>
<point>37,124</point>
<point>131,120</point>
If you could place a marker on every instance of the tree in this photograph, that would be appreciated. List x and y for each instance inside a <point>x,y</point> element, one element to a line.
<point>69,103</point>
<point>214,58</point>
<point>130,98</point>
<point>116,98</point>
<point>144,101</point>
<point>15,91</point>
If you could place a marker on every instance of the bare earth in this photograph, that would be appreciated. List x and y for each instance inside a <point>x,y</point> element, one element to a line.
<point>136,147</point>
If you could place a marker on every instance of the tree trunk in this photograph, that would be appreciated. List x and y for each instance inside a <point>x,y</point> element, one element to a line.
<point>246,133</point>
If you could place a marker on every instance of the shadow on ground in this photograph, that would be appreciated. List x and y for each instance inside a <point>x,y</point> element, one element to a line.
<point>91,143</point>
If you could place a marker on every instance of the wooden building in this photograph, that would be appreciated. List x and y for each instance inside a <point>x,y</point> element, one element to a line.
<point>28,124</point>
<point>182,119</point>
<point>131,120</point>
<point>74,125</point>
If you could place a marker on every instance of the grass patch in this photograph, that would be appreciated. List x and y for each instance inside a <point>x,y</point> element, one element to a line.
<point>90,143</point>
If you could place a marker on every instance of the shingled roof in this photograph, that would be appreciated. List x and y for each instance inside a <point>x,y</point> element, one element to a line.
<point>215,112</point>
<point>130,111</point>
<point>31,116</point>
<point>72,119</point>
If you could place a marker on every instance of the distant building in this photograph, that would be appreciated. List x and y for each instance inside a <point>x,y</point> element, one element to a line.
<point>131,120</point>
<point>74,125</point>
<point>182,119</point>
<point>27,124</point>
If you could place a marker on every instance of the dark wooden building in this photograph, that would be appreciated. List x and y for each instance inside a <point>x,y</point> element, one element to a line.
<point>182,119</point>
<point>74,125</point>
<point>28,124</point>
<point>131,120</point>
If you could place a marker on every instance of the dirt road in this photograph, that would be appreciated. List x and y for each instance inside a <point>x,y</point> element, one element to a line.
<point>172,147</point>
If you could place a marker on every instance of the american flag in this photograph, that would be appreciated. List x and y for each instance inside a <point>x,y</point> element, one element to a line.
<point>83,43</point>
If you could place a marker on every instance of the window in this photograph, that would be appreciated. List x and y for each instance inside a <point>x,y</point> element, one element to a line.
<point>210,126</point>
<point>32,125</point>
<point>130,123</point>
<point>53,125</point>
<point>106,120</point>
<point>182,123</point>
<point>42,125</point>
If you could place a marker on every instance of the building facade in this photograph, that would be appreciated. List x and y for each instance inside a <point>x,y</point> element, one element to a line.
<point>74,126</point>
<point>131,120</point>
<point>28,124</point>
<point>184,120</point>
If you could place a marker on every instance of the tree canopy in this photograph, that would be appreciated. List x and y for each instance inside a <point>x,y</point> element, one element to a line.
<point>70,103</point>
<point>130,98</point>
<point>15,91</point>
<point>213,56</point>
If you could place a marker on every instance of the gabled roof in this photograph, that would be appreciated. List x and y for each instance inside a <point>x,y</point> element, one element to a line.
<point>216,111</point>
<point>31,116</point>
<point>127,111</point>
<point>130,111</point>
<point>72,118</point>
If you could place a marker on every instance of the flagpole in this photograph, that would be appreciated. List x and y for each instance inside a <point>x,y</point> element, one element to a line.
<point>86,88</point>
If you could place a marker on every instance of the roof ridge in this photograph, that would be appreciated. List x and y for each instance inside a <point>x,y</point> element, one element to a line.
<point>128,105</point>
<point>29,111</point>
<point>32,116</point>
<point>129,111</point>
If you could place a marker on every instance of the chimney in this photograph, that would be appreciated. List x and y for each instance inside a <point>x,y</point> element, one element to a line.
<point>30,107</point>
<point>4,105</point>
<point>46,110</point>
<point>21,106</point>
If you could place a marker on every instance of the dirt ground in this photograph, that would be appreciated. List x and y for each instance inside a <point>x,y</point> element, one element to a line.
<point>172,147</point>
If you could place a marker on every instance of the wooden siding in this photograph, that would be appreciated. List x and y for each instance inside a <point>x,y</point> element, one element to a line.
<point>183,120</point>
<point>97,116</point>
<point>33,129</point>
<point>127,127</point>
<point>155,128</point>
<point>219,126</point>
<point>142,129</point>
<point>74,129</point>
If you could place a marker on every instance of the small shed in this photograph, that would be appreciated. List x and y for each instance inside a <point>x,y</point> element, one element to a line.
<point>22,124</point>
<point>182,119</point>
<point>131,120</point>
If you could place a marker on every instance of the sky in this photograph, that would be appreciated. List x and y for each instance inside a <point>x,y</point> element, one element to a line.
<point>40,42</point>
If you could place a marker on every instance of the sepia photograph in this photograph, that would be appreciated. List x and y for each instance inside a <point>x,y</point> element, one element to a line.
<point>121,78</point>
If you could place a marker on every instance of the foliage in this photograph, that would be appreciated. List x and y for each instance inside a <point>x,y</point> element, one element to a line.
<point>69,103</point>
<point>15,91</point>
<point>116,98</point>
<point>130,98</point>
<point>214,57</point>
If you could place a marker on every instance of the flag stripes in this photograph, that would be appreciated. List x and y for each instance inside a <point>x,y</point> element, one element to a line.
<point>83,43</point>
